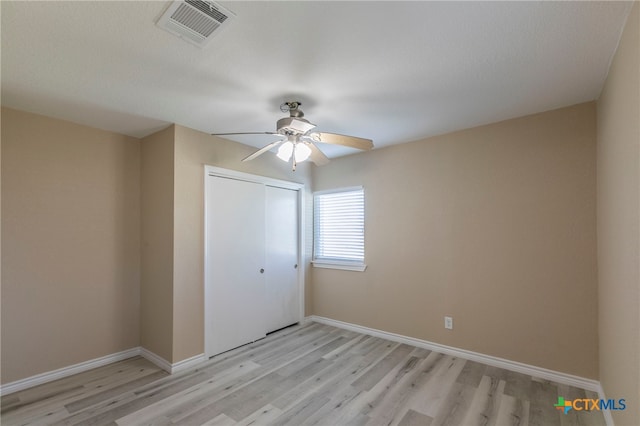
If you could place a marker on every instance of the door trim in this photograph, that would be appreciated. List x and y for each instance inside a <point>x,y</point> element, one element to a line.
<point>266,181</point>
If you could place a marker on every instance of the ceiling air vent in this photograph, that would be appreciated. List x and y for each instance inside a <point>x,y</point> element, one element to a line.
<point>195,21</point>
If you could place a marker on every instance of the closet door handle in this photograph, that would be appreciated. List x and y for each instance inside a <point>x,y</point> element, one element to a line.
<point>295,266</point>
<point>262,270</point>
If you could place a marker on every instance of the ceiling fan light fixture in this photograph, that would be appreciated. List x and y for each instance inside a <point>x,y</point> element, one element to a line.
<point>285,151</point>
<point>301,152</point>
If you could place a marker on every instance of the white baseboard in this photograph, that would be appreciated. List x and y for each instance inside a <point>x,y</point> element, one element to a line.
<point>156,359</point>
<point>185,364</point>
<point>60,373</point>
<point>50,376</point>
<point>518,367</point>
<point>169,367</point>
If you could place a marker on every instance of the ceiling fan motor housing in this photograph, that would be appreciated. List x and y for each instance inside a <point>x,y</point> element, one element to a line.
<point>294,126</point>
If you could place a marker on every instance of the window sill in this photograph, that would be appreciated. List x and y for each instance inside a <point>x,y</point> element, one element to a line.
<point>345,266</point>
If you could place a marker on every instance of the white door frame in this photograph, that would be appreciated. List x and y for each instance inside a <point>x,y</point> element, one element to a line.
<point>233,174</point>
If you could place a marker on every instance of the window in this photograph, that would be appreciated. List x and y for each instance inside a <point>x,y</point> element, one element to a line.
<point>338,229</point>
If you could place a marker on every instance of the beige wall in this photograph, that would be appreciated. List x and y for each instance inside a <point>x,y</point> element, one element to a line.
<point>70,244</point>
<point>193,150</point>
<point>156,284</point>
<point>619,225</point>
<point>494,226</point>
<point>102,238</point>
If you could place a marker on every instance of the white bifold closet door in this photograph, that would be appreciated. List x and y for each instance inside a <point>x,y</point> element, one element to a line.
<point>235,251</point>
<point>282,295</point>
<point>251,256</point>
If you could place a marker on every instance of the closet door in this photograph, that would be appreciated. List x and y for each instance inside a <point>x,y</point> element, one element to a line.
<point>235,263</point>
<point>282,293</point>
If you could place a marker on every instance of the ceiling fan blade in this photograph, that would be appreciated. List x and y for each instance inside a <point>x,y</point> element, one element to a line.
<point>262,151</point>
<point>336,139</point>
<point>245,133</point>
<point>317,156</point>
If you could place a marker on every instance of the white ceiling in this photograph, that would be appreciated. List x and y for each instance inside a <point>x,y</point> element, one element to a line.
<point>389,71</point>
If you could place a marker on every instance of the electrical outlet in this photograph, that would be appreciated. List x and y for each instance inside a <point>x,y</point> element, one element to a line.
<point>448,323</point>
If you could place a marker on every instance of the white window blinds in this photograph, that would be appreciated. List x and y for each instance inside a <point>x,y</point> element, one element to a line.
<point>338,226</point>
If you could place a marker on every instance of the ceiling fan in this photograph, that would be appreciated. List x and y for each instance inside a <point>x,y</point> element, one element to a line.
<point>298,142</point>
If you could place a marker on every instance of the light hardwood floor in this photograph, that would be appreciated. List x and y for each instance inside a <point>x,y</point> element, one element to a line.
<point>302,375</point>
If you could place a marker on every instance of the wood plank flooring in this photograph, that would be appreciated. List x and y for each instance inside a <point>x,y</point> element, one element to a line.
<point>311,374</point>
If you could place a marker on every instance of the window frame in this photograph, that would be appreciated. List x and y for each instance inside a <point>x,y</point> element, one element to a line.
<point>337,263</point>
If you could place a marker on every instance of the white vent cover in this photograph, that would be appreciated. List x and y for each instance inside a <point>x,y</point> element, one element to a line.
<point>195,21</point>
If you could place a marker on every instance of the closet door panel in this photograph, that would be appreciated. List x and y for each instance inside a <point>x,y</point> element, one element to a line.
<point>235,258</point>
<point>282,293</point>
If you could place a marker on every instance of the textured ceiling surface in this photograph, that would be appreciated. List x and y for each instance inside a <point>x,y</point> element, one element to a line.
<point>389,71</point>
